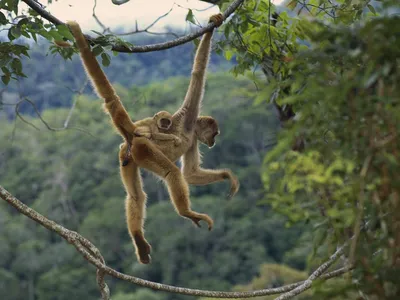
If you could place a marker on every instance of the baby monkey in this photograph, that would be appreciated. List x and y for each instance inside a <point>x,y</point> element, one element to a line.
<point>150,128</point>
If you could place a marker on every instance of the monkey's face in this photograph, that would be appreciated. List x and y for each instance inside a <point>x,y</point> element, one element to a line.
<point>210,136</point>
<point>163,119</point>
<point>206,130</point>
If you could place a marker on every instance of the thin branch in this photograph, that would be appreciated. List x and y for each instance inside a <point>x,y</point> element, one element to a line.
<point>315,275</point>
<point>43,120</point>
<point>92,254</point>
<point>105,29</point>
<point>71,110</point>
<point>36,6</point>
<point>195,9</point>
<point>137,30</point>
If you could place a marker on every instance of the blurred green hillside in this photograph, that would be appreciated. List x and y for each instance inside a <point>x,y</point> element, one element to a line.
<point>72,177</point>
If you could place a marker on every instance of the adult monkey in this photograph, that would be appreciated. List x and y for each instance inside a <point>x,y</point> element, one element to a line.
<point>159,156</point>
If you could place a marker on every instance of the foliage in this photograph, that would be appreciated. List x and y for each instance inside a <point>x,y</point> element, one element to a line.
<point>335,63</point>
<point>31,26</point>
<point>339,70</point>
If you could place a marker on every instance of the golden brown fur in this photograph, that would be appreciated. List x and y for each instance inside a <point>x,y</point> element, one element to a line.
<point>158,156</point>
<point>150,128</point>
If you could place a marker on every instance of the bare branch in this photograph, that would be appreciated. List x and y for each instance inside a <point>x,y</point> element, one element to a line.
<point>25,99</point>
<point>137,30</point>
<point>315,275</point>
<point>36,6</point>
<point>93,255</point>
<point>211,1</point>
<point>71,110</point>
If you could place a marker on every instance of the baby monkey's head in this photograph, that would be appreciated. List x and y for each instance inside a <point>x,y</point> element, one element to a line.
<point>163,119</point>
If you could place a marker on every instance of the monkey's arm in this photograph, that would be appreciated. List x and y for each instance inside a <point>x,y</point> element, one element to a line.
<point>150,133</point>
<point>166,137</point>
<point>143,131</point>
<point>190,108</point>
<point>103,87</point>
<point>196,175</point>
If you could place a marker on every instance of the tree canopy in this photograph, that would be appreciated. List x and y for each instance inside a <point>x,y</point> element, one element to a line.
<point>309,124</point>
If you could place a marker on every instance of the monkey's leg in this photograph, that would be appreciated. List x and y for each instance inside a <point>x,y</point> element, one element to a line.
<point>207,176</point>
<point>147,156</point>
<point>135,205</point>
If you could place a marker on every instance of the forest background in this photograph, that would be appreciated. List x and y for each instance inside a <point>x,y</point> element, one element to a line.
<point>58,154</point>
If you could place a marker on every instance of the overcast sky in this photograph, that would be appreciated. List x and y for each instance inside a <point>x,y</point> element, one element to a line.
<point>142,11</point>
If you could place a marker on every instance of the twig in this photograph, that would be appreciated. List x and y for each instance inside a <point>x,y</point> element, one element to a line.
<point>43,121</point>
<point>71,110</point>
<point>137,30</point>
<point>92,254</point>
<point>36,6</point>
<point>315,275</point>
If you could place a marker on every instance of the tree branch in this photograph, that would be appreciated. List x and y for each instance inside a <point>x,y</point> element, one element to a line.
<point>93,255</point>
<point>315,275</point>
<point>36,6</point>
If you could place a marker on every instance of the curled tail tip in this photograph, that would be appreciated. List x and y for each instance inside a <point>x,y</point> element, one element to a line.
<point>72,23</point>
<point>74,27</point>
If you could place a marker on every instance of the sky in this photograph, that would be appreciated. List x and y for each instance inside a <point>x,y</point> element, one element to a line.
<point>143,12</point>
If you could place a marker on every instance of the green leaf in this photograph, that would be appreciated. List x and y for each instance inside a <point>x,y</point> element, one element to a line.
<point>108,48</point>
<point>25,34</point>
<point>105,59</point>
<point>15,32</point>
<point>292,4</point>
<point>5,79</point>
<point>6,71</point>
<point>228,55</point>
<point>371,8</point>
<point>23,21</point>
<point>5,60</point>
<point>45,34</point>
<point>64,31</point>
<point>3,19</point>
<point>13,5</point>
<point>16,65</point>
<point>190,17</point>
<point>34,36</point>
<point>96,32</point>
<point>97,50</point>
<point>55,35</point>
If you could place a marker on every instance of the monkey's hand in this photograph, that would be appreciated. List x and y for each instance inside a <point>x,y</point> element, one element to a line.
<point>234,183</point>
<point>177,141</point>
<point>142,132</point>
<point>217,19</point>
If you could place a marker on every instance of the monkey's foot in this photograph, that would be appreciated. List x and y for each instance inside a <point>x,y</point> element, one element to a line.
<point>143,249</point>
<point>217,19</point>
<point>196,218</point>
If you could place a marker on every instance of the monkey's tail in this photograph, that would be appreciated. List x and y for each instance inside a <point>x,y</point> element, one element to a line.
<point>99,80</point>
